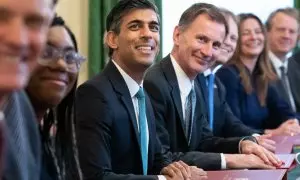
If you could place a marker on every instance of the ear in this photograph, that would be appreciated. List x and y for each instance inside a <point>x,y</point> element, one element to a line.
<point>111,40</point>
<point>176,35</point>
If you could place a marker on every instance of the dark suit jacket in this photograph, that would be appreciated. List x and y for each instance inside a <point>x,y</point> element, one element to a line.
<point>226,124</point>
<point>23,148</point>
<point>162,87</point>
<point>294,79</point>
<point>107,132</point>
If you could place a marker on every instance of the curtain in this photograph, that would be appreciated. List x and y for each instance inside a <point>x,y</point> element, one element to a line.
<point>97,53</point>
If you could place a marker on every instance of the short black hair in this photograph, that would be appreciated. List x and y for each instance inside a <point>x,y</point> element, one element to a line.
<point>190,14</point>
<point>122,8</point>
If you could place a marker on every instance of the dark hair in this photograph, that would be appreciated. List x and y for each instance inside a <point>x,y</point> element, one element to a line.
<point>262,73</point>
<point>190,14</point>
<point>122,8</point>
<point>65,156</point>
<point>292,12</point>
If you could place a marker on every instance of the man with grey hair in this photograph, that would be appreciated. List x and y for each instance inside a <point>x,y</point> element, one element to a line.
<point>23,29</point>
<point>177,97</point>
<point>282,33</point>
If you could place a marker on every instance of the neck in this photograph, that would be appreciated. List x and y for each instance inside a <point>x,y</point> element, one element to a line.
<point>3,98</point>
<point>136,72</point>
<point>190,74</point>
<point>281,56</point>
<point>39,108</point>
<point>249,62</point>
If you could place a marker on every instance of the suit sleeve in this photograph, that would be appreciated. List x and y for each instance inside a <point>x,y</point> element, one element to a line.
<point>280,110</point>
<point>233,127</point>
<point>94,125</point>
<point>160,107</point>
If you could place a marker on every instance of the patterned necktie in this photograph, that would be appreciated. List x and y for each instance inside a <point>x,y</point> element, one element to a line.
<point>189,113</point>
<point>285,82</point>
<point>143,128</point>
<point>211,80</point>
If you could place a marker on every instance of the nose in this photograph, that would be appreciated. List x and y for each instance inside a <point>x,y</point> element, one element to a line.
<point>146,32</point>
<point>59,65</point>
<point>16,35</point>
<point>207,50</point>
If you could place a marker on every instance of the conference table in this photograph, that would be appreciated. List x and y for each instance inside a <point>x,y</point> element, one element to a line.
<point>284,151</point>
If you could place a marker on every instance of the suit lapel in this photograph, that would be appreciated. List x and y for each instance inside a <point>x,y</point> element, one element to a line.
<point>170,75</point>
<point>120,87</point>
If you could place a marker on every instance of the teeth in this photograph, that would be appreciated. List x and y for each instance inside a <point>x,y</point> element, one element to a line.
<point>144,48</point>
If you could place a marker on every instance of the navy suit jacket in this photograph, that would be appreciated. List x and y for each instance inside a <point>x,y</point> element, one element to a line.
<point>163,89</point>
<point>247,107</point>
<point>226,124</point>
<point>107,133</point>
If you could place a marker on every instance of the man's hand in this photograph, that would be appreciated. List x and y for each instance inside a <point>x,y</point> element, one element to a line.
<point>290,127</point>
<point>249,147</point>
<point>265,142</point>
<point>197,173</point>
<point>245,161</point>
<point>177,170</point>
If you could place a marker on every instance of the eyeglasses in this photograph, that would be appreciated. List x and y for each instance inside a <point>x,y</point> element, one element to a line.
<point>52,54</point>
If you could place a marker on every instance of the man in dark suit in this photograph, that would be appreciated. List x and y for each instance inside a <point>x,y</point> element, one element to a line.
<point>177,98</point>
<point>116,132</point>
<point>23,30</point>
<point>282,30</point>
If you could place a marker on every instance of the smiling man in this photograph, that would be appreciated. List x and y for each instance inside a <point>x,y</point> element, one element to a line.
<point>23,29</point>
<point>178,98</point>
<point>116,135</point>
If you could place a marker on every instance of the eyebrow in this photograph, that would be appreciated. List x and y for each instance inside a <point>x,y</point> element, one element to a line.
<point>67,48</point>
<point>5,12</point>
<point>141,22</point>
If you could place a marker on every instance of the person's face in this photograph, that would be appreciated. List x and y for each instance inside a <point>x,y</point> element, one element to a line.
<point>283,34</point>
<point>252,38</point>
<point>23,29</point>
<point>197,46</point>
<point>49,84</point>
<point>137,44</point>
<point>230,42</point>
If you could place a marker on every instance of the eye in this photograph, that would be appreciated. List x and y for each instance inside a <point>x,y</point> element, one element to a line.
<point>49,52</point>
<point>154,27</point>
<point>216,45</point>
<point>134,27</point>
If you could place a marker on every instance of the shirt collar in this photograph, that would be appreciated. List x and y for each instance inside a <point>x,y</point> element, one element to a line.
<point>277,63</point>
<point>212,71</point>
<point>132,85</point>
<point>184,82</point>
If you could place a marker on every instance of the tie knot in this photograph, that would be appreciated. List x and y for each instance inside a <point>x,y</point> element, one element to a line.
<point>282,69</point>
<point>140,94</point>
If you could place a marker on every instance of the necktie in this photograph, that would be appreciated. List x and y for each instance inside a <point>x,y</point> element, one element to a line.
<point>189,113</point>
<point>285,82</point>
<point>211,79</point>
<point>143,128</point>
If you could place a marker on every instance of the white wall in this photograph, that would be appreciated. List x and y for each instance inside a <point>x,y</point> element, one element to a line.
<point>75,13</point>
<point>172,9</point>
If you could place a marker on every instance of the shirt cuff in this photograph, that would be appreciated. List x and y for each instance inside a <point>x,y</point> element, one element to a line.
<point>255,135</point>
<point>161,177</point>
<point>223,161</point>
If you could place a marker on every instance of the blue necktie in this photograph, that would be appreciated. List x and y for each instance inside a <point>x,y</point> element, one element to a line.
<point>211,79</point>
<point>143,128</point>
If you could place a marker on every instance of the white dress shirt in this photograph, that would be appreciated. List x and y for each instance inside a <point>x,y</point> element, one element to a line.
<point>133,88</point>
<point>277,63</point>
<point>185,86</point>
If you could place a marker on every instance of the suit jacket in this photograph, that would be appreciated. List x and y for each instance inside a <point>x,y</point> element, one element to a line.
<point>163,89</point>
<point>294,78</point>
<point>226,124</point>
<point>107,133</point>
<point>23,148</point>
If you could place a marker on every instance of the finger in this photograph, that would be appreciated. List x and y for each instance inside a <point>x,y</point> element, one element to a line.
<point>184,169</point>
<point>198,171</point>
<point>273,159</point>
<point>262,155</point>
<point>168,171</point>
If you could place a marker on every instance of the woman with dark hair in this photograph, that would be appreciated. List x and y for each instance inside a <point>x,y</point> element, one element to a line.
<point>247,80</point>
<point>51,90</point>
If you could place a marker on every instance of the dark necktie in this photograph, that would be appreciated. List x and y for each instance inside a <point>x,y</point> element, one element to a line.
<point>285,82</point>
<point>211,80</point>
<point>189,113</point>
<point>143,128</point>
